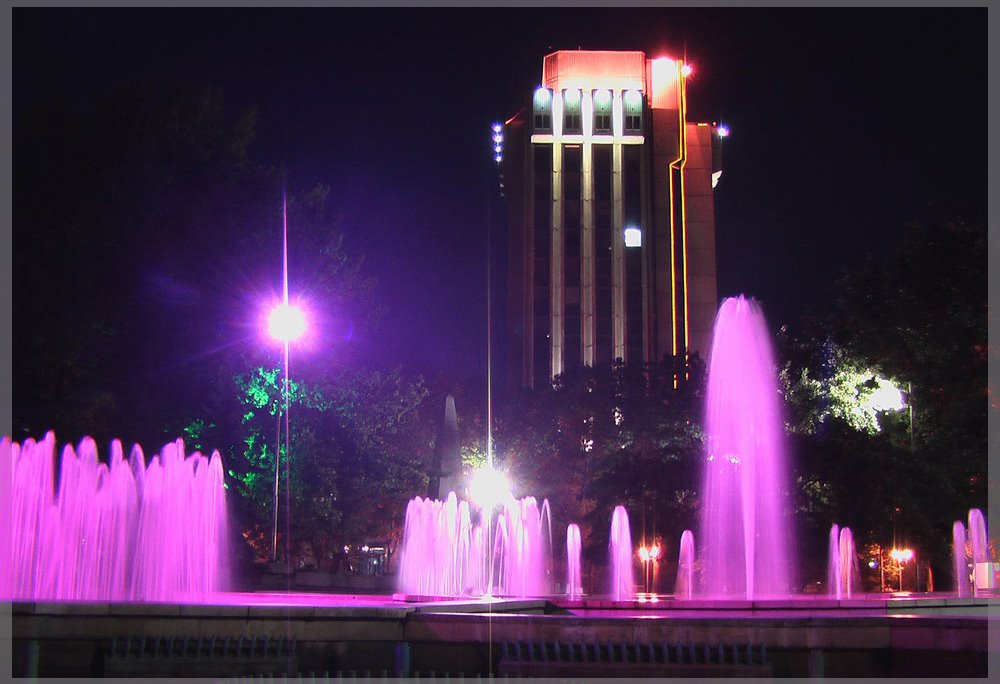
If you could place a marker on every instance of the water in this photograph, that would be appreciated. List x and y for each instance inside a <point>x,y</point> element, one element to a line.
<point>684,586</point>
<point>843,572</point>
<point>747,548</point>
<point>978,540</point>
<point>978,537</point>
<point>620,557</point>
<point>959,563</point>
<point>508,552</point>
<point>120,530</point>
<point>573,584</point>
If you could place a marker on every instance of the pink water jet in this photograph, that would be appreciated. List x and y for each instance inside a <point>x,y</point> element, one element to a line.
<point>573,546</point>
<point>684,585</point>
<point>507,552</point>
<point>119,530</point>
<point>747,548</point>
<point>620,557</point>
<point>978,537</point>
<point>960,565</point>
<point>843,574</point>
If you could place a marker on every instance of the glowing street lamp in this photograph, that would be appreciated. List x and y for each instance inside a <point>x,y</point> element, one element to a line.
<point>901,556</point>
<point>488,488</point>
<point>285,323</point>
<point>648,555</point>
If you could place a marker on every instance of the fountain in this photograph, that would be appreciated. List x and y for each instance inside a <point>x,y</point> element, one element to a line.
<point>965,541</point>
<point>978,537</point>
<point>684,586</point>
<point>843,574</point>
<point>573,584</point>
<point>620,556</point>
<point>444,554</point>
<point>746,546</point>
<point>959,563</point>
<point>111,534</point>
<point>116,531</point>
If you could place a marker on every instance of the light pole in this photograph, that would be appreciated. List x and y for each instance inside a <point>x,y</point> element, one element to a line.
<point>285,323</point>
<point>901,556</point>
<point>648,555</point>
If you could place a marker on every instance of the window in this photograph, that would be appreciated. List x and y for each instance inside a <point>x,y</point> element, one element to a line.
<point>602,111</point>
<point>632,109</point>
<point>572,119</point>
<point>543,109</point>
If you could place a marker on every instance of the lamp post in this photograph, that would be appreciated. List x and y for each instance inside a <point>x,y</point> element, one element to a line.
<point>648,555</point>
<point>901,556</point>
<point>285,323</point>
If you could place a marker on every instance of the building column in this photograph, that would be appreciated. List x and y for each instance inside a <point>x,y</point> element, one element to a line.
<point>557,281</point>
<point>588,291</point>
<point>617,256</point>
<point>650,353</point>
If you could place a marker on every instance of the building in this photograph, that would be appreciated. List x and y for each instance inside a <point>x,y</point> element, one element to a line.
<point>612,230</point>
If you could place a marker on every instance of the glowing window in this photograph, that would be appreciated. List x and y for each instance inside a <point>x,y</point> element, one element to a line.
<point>633,237</point>
<point>543,109</point>
<point>572,119</point>
<point>632,105</point>
<point>602,111</point>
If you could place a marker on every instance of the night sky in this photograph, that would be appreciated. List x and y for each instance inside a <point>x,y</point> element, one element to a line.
<point>846,124</point>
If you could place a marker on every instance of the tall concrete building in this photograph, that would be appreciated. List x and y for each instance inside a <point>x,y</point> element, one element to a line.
<point>612,226</point>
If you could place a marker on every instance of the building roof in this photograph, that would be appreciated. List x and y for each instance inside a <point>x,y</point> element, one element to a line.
<point>613,69</point>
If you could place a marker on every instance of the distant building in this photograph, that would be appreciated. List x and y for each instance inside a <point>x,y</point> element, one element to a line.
<point>612,226</point>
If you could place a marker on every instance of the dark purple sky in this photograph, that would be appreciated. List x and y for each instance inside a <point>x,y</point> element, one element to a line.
<point>846,124</point>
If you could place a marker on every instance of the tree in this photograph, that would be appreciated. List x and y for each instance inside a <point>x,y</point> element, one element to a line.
<point>611,435</point>
<point>917,318</point>
<point>149,245</point>
<point>122,213</point>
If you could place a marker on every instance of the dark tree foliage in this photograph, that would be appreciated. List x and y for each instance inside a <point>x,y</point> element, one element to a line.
<point>607,436</point>
<point>147,252</point>
<point>125,214</point>
<point>917,316</point>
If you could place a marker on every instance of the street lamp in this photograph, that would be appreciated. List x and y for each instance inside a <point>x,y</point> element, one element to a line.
<point>901,556</point>
<point>648,555</point>
<point>285,323</point>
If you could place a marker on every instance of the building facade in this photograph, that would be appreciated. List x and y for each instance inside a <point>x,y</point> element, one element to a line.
<point>611,220</point>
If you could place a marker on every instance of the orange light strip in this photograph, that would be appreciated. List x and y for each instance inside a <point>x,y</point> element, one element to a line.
<point>678,164</point>
<point>673,223</point>
<point>673,265</point>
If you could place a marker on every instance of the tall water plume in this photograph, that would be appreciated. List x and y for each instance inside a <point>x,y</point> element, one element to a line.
<point>573,545</point>
<point>684,585</point>
<point>620,556</point>
<point>978,536</point>
<point>843,573</point>
<point>960,565</point>
<point>747,548</point>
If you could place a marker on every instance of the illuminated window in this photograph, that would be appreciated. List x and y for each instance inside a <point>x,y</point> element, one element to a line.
<point>602,111</point>
<point>633,237</point>
<point>572,118</point>
<point>632,105</point>
<point>543,109</point>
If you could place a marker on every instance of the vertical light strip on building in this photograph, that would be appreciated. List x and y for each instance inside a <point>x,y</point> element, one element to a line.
<point>588,294</point>
<point>617,256</point>
<point>556,280</point>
